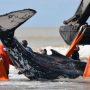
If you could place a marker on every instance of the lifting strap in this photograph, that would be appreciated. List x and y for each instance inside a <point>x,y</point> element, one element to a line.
<point>76,40</point>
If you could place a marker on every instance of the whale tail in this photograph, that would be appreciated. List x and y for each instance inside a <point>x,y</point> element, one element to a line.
<point>11,21</point>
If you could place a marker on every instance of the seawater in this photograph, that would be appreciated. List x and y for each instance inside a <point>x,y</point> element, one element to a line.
<point>40,37</point>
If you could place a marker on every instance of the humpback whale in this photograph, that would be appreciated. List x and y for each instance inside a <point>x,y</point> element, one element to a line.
<point>30,63</point>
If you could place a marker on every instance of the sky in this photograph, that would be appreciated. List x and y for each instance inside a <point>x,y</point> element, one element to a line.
<point>50,13</point>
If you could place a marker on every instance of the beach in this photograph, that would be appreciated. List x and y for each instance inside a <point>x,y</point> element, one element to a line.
<point>20,82</point>
<point>45,38</point>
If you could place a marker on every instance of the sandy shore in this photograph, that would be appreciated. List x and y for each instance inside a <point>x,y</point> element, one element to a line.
<point>43,37</point>
<point>20,82</point>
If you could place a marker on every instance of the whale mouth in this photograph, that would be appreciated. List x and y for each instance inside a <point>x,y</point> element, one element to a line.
<point>13,20</point>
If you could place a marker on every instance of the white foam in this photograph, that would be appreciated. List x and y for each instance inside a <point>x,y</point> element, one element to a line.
<point>84,50</point>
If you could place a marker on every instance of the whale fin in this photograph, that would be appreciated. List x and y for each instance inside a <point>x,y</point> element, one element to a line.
<point>10,21</point>
<point>13,20</point>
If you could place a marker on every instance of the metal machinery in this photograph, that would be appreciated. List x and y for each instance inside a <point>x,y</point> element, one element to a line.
<point>77,31</point>
<point>72,25</point>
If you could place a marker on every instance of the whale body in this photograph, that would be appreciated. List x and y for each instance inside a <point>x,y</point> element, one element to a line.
<point>32,64</point>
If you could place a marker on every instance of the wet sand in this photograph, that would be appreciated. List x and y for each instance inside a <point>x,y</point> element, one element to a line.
<point>20,82</point>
